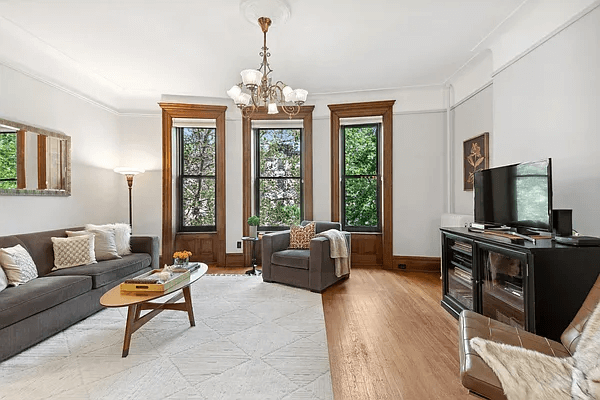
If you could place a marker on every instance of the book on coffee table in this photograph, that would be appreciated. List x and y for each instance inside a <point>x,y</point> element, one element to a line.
<point>149,281</point>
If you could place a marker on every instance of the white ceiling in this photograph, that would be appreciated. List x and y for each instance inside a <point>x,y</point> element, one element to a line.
<point>109,49</point>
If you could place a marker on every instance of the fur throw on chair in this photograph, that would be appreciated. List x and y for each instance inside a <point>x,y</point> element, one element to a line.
<point>527,374</point>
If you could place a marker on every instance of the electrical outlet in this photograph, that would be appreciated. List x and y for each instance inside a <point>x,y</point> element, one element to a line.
<point>402,266</point>
<point>239,245</point>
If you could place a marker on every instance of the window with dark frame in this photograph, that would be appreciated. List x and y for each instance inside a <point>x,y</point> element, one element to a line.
<point>197,179</point>
<point>279,173</point>
<point>361,178</point>
<point>8,160</point>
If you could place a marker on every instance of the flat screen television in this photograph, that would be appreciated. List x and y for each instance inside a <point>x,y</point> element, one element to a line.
<point>517,195</point>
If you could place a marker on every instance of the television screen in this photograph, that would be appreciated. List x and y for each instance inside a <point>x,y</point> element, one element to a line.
<point>518,195</point>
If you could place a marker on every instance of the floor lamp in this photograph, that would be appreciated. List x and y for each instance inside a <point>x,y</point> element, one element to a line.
<point>129,174</point>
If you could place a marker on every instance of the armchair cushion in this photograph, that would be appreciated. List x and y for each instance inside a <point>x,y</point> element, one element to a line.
<point>293,258</point>
<point>300,236</point>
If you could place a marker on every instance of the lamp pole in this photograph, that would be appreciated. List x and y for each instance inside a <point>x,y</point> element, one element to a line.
<point>130,184</point>
<point>129,174</point>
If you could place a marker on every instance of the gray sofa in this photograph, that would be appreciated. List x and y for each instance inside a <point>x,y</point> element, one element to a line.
<point>311,269</point>
<point>40,308</point>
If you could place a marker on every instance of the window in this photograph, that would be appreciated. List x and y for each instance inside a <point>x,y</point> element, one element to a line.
<point>197,179</point>
<point>8,160</point>
<point>361,179</point>
<point>278,188</point>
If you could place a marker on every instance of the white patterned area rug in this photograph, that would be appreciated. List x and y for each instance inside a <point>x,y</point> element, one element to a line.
<point>252,340</point>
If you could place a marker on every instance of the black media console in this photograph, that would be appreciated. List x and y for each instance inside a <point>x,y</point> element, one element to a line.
<point>537,286</point>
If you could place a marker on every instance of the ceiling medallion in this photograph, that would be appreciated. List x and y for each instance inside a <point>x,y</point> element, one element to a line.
<point>256,89</point>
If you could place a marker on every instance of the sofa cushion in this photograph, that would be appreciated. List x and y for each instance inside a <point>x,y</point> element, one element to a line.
<point>109,271</point>
<point>322,226</point>
<point>18,303</point>
<point>291,258</point>
<point>39,246</point>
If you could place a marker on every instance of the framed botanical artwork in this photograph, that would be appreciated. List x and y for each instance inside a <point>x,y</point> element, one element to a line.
<point>476,156</point>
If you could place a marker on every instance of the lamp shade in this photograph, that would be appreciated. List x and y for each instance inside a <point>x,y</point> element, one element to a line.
<point>272,108</point>
<point>129,170</point>
<point>287,90</point>
<point>251,77</point>
<point>243,99</point>
<point>301,95</point>
<point>234,91</point>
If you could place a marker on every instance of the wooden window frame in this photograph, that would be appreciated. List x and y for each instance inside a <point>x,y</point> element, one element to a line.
<point>169,223</point>
<point>180,177</point>
<point>258,178</point>
<point>305,115</point>
<point>359,229</point>
<point>382,109</point>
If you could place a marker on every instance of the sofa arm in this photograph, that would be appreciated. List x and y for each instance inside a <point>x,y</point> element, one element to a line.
<point>272,242</point>
<point>146,244</point>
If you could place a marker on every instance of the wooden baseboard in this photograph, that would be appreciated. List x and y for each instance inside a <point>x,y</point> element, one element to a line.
<point>417,263</point>
<point>234,259</point>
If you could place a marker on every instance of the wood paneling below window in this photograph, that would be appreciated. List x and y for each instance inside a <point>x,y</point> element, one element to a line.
<point>367,250</point>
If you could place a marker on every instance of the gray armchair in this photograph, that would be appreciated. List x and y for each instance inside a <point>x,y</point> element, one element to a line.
<point>311,269</point>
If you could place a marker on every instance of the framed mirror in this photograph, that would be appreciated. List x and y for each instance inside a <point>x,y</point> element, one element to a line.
<point>34,161</point>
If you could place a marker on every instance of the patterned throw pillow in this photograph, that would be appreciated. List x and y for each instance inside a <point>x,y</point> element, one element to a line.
<point>73,251</point>
<point>300,236</point>
<point>17,265</point>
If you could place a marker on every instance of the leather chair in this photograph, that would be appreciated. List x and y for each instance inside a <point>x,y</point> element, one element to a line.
<point>479,378</point>
<point>312,269</point>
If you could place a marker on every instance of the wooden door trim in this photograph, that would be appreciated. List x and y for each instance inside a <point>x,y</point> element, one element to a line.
<point>305,115</point>
<point>199,111</point>
<point>367,109</point>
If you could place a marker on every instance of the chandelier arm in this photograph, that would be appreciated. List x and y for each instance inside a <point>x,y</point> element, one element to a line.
<point>290,110</point>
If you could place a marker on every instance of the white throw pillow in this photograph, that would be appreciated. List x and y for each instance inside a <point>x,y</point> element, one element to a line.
<point>3,280</point>
<point>73,251</point>
<point>122,235</point>
<point>18,265</point>
<point>104,243</point>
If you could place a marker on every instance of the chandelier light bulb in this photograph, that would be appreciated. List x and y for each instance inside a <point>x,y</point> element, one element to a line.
<point>301,95</point>
<point>234,92</point>
<point>272,109</point>
<point>286,91</point>
<point>244,99</point>
<point>251,77</point>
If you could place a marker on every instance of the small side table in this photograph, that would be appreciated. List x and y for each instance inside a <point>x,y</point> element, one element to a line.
<point>252,241</point>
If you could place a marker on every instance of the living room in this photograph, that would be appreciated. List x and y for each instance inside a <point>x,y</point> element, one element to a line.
<point>526,72</point>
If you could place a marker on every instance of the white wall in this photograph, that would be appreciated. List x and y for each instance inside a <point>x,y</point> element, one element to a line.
<point>141,147</point>
<point>547,105</point>
<point>470,118</point>
<point>95,152</point>
<point>419,170</point>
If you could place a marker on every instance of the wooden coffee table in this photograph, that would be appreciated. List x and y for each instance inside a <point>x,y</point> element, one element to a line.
<point>142,301</point>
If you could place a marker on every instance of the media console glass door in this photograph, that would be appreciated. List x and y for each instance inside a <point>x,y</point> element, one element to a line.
<point>503,285</point>
<point>459,269</point>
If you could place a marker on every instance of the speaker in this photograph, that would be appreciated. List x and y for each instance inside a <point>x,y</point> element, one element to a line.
<point>562,222</point>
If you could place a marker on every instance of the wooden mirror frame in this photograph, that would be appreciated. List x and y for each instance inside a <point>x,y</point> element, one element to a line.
<point>21,167</point>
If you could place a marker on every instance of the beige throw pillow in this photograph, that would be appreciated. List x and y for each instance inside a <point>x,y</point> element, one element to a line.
<point>104,243</point>
<point>300,236</point>
<point>122,235</point>
<point>3,280</point>
<point>17,265</point>
<point>73,251</point>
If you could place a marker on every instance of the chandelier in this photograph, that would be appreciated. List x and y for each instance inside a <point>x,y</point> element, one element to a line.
<point>256,89</point>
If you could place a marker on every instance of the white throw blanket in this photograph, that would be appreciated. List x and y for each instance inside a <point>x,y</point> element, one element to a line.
<point>338,250</point>
<point>527,374</point>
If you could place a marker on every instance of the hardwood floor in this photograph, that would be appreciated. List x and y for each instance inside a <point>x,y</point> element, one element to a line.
<point>388,337</point>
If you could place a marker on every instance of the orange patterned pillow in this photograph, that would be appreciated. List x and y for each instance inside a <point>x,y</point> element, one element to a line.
<point>300,236</point>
